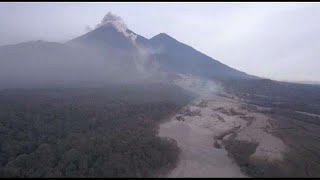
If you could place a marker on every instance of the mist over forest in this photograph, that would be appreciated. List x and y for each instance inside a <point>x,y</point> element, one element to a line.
<point>113,103</point>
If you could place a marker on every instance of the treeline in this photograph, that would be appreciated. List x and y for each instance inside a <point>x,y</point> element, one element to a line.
<point>299,131</point>
<point>87,132</point>
<point>276,94</point>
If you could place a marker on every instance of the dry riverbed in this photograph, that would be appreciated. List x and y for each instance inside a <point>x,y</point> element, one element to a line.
<point>212,129</point>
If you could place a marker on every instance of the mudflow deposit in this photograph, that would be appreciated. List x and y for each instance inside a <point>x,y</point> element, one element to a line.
<point>212,123</point>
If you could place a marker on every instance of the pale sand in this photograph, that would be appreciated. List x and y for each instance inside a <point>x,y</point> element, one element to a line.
<point>198,157</point>
<point>195,135</point>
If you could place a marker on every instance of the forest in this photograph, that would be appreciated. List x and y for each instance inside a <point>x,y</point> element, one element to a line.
<point>294,116</point>
<point>108,131</point>
<point>276,94</point>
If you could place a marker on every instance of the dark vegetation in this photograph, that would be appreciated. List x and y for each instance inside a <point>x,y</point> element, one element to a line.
<point>109,131</point>
<point>299,131</point>
<point>217,145</point>
<point>240,152</point>
<point>188,112</point>
<point>302,158</point>
<point>275,94</point>
<point>180,118</point>
<point>218,116</point>
<point>229,112</point>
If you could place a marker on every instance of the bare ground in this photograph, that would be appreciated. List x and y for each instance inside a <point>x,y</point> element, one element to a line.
<point>204,139</point>
<point>221,135</point>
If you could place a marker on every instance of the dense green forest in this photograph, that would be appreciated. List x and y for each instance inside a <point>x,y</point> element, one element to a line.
<point>109,131</point>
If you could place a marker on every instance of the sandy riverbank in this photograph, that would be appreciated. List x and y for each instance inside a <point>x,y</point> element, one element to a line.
<point>205,123</point>
<point>198,157</point>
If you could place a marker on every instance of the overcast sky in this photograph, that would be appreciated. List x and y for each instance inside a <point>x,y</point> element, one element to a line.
<point>275,40</point>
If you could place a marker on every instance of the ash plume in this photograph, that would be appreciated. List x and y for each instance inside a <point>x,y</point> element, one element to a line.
<point>118,23</point>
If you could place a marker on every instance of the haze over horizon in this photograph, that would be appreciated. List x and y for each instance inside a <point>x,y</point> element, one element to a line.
<point>147,90</point>
<point>271,40</point>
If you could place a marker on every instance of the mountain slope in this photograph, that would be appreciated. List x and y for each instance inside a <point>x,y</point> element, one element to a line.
<point>109,52</point>
<point>104,37</point>
<point>182,58</point>
<point>39,63</point>
<point>112,35</point>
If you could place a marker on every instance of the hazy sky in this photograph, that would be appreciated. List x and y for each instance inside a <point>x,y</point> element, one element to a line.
<point>274,40</point>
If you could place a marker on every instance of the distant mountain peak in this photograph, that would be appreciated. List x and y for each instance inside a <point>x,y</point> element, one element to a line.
<point>162,36</point>
<point>111,19</point>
